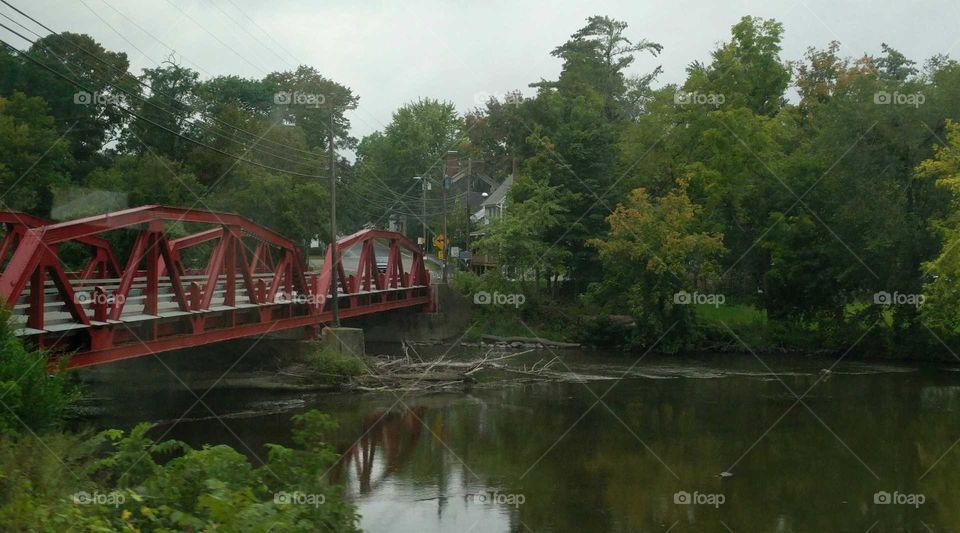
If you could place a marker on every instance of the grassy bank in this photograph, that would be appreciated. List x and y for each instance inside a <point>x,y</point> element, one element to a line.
<point>867,332</point>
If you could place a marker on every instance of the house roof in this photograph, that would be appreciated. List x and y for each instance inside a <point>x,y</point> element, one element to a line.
<point>498,195</point>
<point>478,216</point>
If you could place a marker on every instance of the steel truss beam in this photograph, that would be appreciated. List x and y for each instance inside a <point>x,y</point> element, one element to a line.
<point>237,294</point>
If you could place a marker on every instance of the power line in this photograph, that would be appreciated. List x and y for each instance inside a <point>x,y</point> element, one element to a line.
<point>138,116</point>
<point>382,201</point>
<point>265,32</point>
<point>391,198</point>
<point>208,32</point>
<point>135,47</point>
<point>154,105</point>
<point>252,36</point>
<point>152,36</point>
<point>224,44</point>
<point>140,82</point>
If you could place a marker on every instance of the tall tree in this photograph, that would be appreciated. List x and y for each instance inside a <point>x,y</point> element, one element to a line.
<point>657,249</point>
<point>413,144</point>
<point>747,71</point>
<point>573,128</point>
<point>87,116</point>
<point>34,157</point>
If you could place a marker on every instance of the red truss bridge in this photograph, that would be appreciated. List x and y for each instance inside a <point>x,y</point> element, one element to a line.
<point>230,280</point>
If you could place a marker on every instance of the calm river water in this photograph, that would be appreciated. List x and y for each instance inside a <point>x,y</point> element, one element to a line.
<point>719,443</point>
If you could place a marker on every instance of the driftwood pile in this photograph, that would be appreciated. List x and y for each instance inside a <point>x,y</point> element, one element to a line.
<point>411,372</point>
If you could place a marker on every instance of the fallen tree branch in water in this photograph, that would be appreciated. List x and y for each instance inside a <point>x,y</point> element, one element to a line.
<point>403,373</point>
<point>528,341</point>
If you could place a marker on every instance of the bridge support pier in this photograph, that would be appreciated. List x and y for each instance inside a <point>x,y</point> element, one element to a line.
<point>348,341</point>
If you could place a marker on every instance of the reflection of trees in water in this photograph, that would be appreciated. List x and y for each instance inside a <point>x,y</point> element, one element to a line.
<point>799,476</point>
<point>393,435</point>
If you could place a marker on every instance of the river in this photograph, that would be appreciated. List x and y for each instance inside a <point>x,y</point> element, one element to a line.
<point>696,443</point>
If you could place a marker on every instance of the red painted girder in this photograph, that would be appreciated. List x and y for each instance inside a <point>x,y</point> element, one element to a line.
<point>129,351</point>
<point>196,238</point>
<point>75,229</point>
<point>30,221</point>
<point>371,233</point>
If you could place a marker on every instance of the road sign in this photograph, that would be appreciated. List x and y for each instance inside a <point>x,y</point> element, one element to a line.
<point>439,242</point>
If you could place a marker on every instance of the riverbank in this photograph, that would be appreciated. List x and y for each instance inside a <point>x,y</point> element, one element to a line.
<point>720,329</point>
<point>276,376</point>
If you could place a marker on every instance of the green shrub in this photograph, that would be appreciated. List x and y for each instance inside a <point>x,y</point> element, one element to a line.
<point>120,481</point>
<point>332,366</point>
<point>30,397</point>
<point>602,332</point>
<point>216,487</point>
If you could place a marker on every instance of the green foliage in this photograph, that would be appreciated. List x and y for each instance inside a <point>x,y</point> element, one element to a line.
<point>147,485</point>
<point>314,120</point>
<point>942,305</point>
<point>539,314</point>
<point>747,71</point>
<point>595,60</point>
<point>170,104</point>
<point>820,204</point>
<point>297,207</point>
<point>603,332</point>
<point>656,249</point>
<point>148,179</point>
<point>33,157</point>
<point>86,126</point>
<point>518,239</point>
<point>332,366</point>
<point>128,482</point>
<point>31,399</point>
<point>414,143</point>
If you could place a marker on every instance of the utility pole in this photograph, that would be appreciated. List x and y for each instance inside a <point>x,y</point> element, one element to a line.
<point>334,304</point>
<point>446,238</point>
<point>423,211</point>
<point>451,167</point>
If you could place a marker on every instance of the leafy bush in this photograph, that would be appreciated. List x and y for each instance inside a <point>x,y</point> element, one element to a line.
<point>332,366</point>
<point>120,481</point>
<point>602,332</point>
<point>29,396</point>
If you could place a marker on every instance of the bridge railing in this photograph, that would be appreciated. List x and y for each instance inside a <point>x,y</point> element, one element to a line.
<point>251,280</point>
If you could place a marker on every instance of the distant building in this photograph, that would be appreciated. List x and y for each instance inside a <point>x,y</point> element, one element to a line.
<point>491,209</point>
<point>397,223</point>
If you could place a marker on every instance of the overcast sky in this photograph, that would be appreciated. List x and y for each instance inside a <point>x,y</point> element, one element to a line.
<point>390,53</point>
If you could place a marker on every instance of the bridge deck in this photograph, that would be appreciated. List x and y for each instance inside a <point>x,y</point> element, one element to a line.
<point>252,282</point>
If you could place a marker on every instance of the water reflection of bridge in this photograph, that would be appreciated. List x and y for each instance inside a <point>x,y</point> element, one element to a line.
<point>388,439</point>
